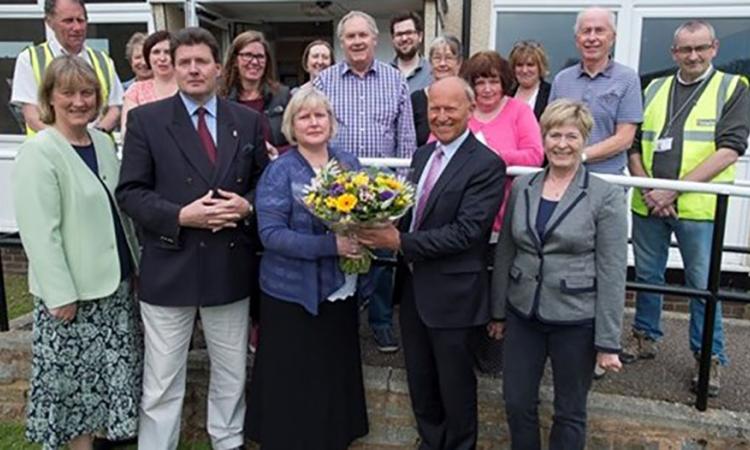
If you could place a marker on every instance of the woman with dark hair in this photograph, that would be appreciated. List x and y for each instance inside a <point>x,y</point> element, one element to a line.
<point>250,79</point>
<point>317,57</point>
<point>157,54</point>
<point>87,350</point>
<point>530,65</point>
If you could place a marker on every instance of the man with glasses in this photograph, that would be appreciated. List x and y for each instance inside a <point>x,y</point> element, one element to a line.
<point>695,126</point>
<point>373,109</point>
<point>407,33</point>
<point>611,90</point>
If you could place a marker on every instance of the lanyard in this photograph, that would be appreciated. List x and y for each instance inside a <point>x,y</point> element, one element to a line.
<point>690,101</point>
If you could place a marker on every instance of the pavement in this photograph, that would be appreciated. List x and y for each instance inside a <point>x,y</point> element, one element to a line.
<point>665,378</point>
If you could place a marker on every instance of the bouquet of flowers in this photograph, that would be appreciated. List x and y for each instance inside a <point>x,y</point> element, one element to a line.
<point>346,200</point>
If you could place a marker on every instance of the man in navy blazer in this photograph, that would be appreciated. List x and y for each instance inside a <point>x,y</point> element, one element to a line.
<point>443,279</point>
<point>189,170</point>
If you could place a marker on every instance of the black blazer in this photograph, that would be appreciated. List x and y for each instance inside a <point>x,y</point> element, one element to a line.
<point>542,98</point>
<point>419,109</point>
<point>164,168</point>
<point>448,253</point>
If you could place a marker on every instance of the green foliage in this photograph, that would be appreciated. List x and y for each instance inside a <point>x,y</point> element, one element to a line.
<point>17,295</point>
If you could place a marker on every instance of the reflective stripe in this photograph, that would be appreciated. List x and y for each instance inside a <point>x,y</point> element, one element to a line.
<point>651,91</point>
<point>699,136</point>
<point>648,135</point>
<point>98,61</point>
<point>721,97</point>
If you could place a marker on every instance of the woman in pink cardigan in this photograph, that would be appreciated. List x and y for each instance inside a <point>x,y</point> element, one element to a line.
<point>509,127</point>
<point>504,124</point>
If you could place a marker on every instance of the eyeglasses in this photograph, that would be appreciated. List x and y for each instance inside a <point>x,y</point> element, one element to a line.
<point>404,33</point>
<point>686,50</point>
<point>249,56</point>
<point>440,58</point>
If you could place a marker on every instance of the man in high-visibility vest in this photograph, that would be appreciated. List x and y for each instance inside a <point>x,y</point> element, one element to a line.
<point>68,20</point>
<point>695,126</point>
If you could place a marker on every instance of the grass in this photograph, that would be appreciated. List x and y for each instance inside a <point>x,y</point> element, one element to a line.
<point>18,298</point>
<point>12,438</point>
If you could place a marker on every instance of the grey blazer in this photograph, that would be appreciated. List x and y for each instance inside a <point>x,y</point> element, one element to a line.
<point>576,274</point>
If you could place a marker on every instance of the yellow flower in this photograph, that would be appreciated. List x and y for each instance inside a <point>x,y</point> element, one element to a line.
<point>393,184</point>
<point>361,179</point>
<point>346,203</point>
<point>310,199</point>
<point>331,202</point>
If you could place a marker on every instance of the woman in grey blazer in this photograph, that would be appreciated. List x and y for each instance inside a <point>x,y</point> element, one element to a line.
<point>558,287</point>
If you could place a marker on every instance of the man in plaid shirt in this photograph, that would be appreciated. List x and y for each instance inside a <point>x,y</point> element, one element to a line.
<point>371,103</point>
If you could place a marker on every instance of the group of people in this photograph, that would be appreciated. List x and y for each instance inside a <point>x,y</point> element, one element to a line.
<point>124,255</point>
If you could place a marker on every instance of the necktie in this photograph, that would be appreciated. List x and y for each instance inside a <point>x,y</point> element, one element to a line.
<point>429,182</point>
<point>205,135</point>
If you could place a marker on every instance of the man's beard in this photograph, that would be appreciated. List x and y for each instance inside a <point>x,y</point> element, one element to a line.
<point>409,54</point>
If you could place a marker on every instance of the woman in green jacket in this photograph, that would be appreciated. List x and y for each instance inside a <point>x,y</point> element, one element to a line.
<point>87,357</point>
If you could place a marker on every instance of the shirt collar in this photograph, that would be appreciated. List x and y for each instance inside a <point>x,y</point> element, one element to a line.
<point>345,68</point>
<point>419,67</point>
<point>191,105</point>
<point>451,147</point>
<point>607,72</point>
<point>57,49</point>
<point>705,75</point>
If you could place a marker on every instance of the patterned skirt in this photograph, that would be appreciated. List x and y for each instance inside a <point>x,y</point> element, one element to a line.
<point>86,375</point>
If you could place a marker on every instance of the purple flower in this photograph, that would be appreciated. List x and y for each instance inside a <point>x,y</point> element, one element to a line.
<point>337,189</point>
<point>385,195</point>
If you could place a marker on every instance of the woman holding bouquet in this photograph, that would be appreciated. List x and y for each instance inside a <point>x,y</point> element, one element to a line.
<point>307,369</point>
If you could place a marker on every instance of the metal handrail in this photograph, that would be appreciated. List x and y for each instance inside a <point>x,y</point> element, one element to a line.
<point>712,294</point>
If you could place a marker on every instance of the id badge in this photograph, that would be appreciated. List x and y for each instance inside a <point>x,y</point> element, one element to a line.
<point>663,144</point>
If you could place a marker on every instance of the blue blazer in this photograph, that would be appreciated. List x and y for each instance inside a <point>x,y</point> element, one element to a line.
<point>300,261</point>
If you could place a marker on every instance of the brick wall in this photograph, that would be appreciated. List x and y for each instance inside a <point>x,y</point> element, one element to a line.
<point>14,259</point>
<point>615,422</point>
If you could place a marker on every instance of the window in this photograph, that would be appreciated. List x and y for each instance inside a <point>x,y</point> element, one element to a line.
<point>111,39</point>
<point>15,35</point>
<point>554,30</point>
<point>656,59</point>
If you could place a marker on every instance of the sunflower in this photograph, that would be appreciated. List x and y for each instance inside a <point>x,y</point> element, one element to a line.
<point>346,203</point>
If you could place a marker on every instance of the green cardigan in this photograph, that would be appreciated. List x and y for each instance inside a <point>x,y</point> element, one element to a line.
<point>65,218</point>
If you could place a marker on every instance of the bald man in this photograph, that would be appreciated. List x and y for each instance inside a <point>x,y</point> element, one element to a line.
<point>442,276</point>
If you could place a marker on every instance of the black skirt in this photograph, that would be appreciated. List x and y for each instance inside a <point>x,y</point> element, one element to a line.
<point>306,391</point>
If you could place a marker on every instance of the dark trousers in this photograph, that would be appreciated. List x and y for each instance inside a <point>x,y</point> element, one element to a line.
<point>528,344</point>
<point>442,384</point>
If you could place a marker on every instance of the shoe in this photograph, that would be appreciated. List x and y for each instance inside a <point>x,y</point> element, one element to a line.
<point>599,372</point>
<point>714,376</point>
<point>385,340</point>
<point>638,346</point>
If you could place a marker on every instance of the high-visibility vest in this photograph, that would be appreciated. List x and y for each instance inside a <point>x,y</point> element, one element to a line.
<point>698,139</point>
<point>41,57</point>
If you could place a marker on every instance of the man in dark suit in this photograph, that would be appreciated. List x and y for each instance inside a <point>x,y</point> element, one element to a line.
<point>443,277</point>
<point>189,170</point>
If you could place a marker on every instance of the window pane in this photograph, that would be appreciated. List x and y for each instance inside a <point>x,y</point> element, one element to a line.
<point>553,30</point>
<point>656,59</point>
<point>20,2</point>
<point>111,38</point>
<point>15,35</point>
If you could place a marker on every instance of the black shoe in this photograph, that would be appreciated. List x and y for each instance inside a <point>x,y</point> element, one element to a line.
<point>385,340</point>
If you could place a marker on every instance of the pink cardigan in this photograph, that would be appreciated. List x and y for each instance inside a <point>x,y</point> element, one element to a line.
<point>513,134</point>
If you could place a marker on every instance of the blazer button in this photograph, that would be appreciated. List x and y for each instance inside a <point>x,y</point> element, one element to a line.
<point>231,245</point>
<point>202,244</point>
<point>188,180</point>
<point>538,277</point>
<point>239,180</point>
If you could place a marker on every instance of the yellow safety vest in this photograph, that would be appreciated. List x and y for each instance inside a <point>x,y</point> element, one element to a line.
<point>698,139</point>
<point>41,57</point>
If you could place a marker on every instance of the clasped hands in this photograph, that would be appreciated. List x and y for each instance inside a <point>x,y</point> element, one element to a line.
<point>215,212</point>
<point>385,237</point>
<point>660,202</point>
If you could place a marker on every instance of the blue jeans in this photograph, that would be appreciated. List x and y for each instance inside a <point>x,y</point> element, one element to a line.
<point>380,312</point>
<point>651,236</point>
